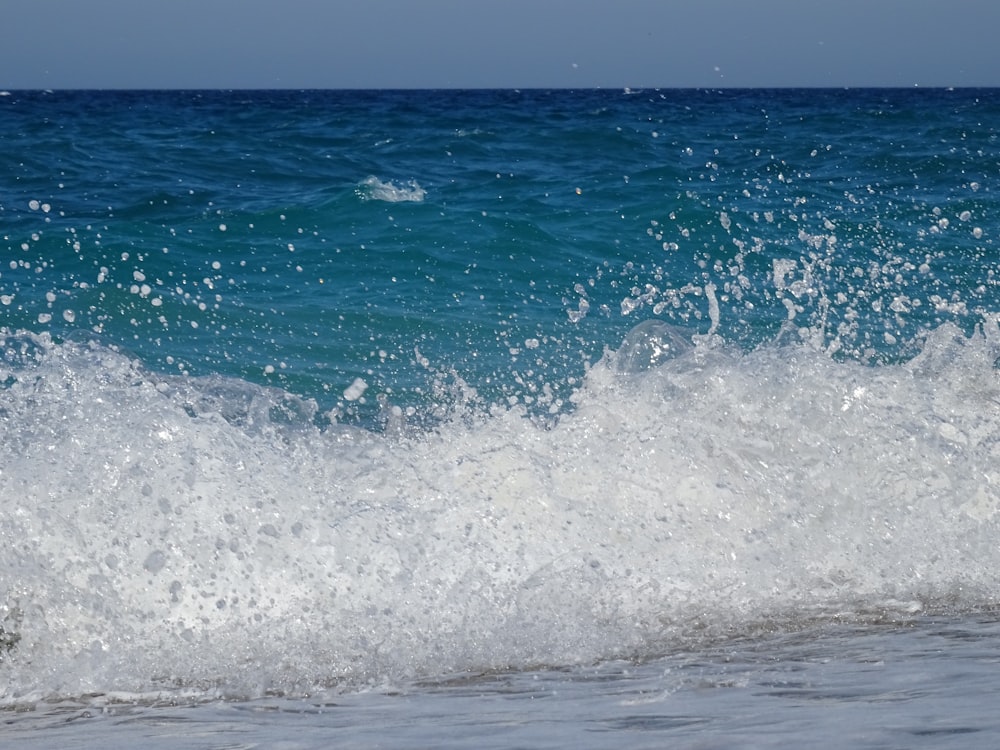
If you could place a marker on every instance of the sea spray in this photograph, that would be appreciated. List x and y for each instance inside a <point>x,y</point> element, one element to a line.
<point>712,491</point>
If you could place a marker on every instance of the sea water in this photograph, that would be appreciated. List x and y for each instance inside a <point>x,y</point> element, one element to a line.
<point>537,418</point>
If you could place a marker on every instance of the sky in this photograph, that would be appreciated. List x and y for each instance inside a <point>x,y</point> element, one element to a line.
<point>209,44</point>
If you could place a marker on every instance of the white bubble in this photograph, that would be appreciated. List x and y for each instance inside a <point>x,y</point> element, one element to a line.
<point>69,316</point>
<point>355,390</point>
<point>216,265</point>
<point>269,369</point>
<point>33,204</point>
<point>44,317</point>
<point>222,227</point>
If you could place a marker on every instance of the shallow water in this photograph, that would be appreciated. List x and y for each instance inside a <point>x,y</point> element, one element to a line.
<point>924,682</point>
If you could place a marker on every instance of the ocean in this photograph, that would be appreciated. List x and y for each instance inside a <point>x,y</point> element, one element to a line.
<point>500,418</point>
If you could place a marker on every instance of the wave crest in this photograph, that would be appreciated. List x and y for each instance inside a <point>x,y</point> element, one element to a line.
<point>197,531</point>
<point>372,188</point>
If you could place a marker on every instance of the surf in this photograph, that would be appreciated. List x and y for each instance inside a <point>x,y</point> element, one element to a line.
<point>174,532</point>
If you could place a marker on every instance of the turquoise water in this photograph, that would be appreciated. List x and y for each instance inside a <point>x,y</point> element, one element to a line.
<point>322,392</point>
<point>327,234</point>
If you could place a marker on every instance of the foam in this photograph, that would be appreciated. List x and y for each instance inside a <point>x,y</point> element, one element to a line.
<point>372,188</point>
<point>204,534</point>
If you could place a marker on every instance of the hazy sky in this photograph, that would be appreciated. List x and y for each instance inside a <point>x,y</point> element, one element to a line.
<point>497,43</point>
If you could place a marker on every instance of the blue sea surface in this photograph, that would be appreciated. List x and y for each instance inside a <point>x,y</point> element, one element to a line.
<point>315,393</point>
<point>328,234</point>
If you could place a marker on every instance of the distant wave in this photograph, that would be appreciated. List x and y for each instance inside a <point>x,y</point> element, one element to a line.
<point>372,188</point>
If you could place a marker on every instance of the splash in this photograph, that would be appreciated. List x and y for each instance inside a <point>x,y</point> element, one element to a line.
<point>181,533</point>
<point>372,188</point>
<point>651,344</point>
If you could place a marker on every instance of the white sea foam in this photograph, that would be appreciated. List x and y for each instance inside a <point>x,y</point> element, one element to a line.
<point>164,534</point>
<point>372,188</point>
